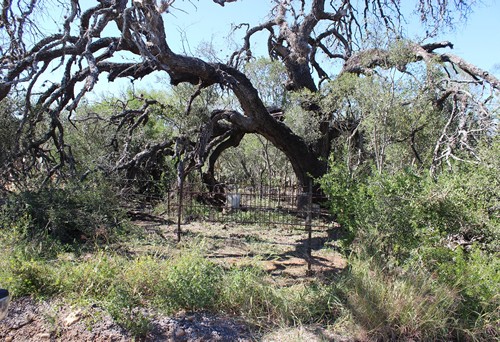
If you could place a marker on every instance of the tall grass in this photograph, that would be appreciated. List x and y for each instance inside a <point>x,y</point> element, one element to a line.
<point>374,303</point>
<point>186,281</point>
<point>406,306</point>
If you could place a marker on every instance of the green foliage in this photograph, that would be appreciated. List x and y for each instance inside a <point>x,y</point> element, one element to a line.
<point>192,282</point>
<point>186,281</point>
<point>71,212</point>
<point>95,277</point>
<point>395,213</point>
<point>208,99</point>
<point>254,162</point>
<point>475,274</point>
<point>302,122</point>
<point>447,226</point>
<point>28,277</point>
<point>100,140</point>
<point>8,127</point>
<point>343,191</point>
<point>268,77</point>
<point>245,292</point>
<point>315,302</point>
<point>23,269</point>
<point>401,53</point>
<point>398,124</point>
<point>382,302</point>
<point>126,312</point>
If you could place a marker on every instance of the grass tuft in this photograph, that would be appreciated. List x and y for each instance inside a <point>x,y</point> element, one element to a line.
<point>390,306</point>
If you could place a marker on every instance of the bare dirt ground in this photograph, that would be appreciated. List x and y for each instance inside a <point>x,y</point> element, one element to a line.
<point>281,251</point>
<point>49,321</point>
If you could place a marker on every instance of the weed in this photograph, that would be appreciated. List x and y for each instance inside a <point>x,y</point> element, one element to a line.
<point>192,282</point>
<point>393,307</point>
<point>245,292</point>
<point>125,310</point>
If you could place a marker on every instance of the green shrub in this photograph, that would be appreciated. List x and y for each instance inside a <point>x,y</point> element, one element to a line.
<point>145,277</point>
<point>447,226</point>
<point>475,274</point>
<point>94,277</point>
<point>187,281</point>
<point>126,311</point>
<point>192,282</point>
<point>28,277</point>
<point>378,210</point>
<point>394,214</point>
<point>68,213</point>
<point>23,266</point>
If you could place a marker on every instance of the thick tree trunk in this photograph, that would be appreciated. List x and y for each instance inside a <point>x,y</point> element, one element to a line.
<point>305,162</point>
<point>294,38</point>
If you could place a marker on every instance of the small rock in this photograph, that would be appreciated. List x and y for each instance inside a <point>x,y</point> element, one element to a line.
<point>72,318</point>
<point>180,332</point>
<point>216,336</point>
<point>8,339</point>
<point>43,336</point>
<point>172,326</point>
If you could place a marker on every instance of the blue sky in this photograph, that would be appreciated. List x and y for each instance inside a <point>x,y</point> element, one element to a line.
<point>192,22</point>
<point>477,40</point>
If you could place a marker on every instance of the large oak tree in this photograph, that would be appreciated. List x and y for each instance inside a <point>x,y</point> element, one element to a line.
<point>303,35</point>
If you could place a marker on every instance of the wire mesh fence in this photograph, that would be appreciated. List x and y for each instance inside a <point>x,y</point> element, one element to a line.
<point>276,205</point>
<point>265,205</point>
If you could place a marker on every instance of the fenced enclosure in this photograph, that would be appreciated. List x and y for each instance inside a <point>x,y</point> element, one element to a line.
<point>265,205</point>
<point>286,206</point>
<point>277,205</point>
<point>291,206</point>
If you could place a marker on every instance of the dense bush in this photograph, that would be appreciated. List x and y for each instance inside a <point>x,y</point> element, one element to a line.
<point>398,212</point>
<point>71,212</point>
<point>447,226</point>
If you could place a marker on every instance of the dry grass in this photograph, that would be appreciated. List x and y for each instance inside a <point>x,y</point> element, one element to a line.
<point>281,251</point>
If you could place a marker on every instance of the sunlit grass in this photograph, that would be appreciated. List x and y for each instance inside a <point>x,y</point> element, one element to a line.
<point>366,301</point>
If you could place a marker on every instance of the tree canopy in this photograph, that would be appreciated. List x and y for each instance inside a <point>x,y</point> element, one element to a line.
<point>49,74</point>
<point>398,135</point>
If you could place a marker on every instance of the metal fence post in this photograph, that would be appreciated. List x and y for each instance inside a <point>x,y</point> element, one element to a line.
<point>168,202</point>
<point>309,229</point>
<point>180,181</point>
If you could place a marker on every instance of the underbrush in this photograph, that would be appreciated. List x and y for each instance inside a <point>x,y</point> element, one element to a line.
<point>367,301</point>
<point>387,306</point>
<point>423,251</point>
<point>71,213</point>
<point>186,280</point>
<point>246,292</point>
